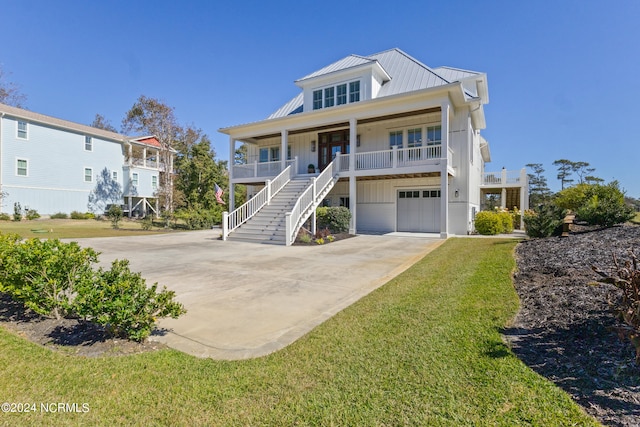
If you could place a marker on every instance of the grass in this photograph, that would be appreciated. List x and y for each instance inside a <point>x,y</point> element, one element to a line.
<point>74,228</point>
<point>636,219</point>
<point>424,349</point>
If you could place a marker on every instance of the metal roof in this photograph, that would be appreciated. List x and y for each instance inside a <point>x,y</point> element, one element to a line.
<point>407,75</point>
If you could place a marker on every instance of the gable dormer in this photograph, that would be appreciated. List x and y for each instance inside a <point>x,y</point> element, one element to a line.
<point>352,79</point>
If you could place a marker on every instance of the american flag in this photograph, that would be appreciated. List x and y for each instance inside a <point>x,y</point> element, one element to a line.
<point>219,193</point>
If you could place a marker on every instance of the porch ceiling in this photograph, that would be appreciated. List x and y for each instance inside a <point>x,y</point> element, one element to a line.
<point>393,176</point>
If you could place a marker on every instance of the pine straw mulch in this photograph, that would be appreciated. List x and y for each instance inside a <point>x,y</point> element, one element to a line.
<point>565,329</point>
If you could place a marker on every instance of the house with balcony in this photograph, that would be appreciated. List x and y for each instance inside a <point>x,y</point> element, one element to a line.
<point>53,165</point>
<point>395,141</point>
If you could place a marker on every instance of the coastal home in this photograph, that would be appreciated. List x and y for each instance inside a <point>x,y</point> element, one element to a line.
<point>53,165</point>
<point>393,140</point>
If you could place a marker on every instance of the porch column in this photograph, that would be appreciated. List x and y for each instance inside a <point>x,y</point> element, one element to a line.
<point>503,198</point>
<point>353,198</point>
<point>353,138</point>
<point>130,151</point>
<point>444,174</point>
<point>144,156</point>
<point>283,149</point>
<point>232,155</point>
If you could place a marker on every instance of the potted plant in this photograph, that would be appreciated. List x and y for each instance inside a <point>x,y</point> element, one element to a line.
<point>311,168</point>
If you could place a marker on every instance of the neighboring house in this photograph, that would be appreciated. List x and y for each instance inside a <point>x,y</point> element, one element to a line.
<point>396,142</point>
<point>54,165</point>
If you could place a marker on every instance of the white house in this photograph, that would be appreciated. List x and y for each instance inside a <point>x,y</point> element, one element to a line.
<point>395,141</point>
<point>53,165</point>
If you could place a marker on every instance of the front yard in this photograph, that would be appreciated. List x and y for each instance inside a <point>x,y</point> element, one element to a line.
<point>75,228</point>
<point>424,349</point>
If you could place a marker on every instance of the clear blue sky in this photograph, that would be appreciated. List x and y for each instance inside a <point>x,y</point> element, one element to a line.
<point>563,75</point>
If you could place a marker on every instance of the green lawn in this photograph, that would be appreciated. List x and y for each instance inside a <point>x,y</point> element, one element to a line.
<point>424,349</point>
<point>74,228</point>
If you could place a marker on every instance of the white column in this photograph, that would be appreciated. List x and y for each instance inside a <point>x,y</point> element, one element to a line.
<point>232,156</point>
<point>444,174</point>
<point>283,149</point>
<point>144,156</point>
<point>353,198</point>
<point>503,198</point>
<point>353,138</point>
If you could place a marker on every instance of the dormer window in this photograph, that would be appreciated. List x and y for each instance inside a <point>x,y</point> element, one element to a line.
<point>342,94</point>
<point>317,99</point>
<point>354,91</point>
<point>329,97</point>
<point>336,95</point>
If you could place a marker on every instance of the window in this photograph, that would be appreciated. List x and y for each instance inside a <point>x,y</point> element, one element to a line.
<point>88,175</point>
<point>154,182</point>
<point>395,139</point>
<point>275,154</point>
<point>272,154</point>
<point>342,94</point>
<point>114,175</point>
<point>264,155</point>
<point>317,99</point>
<point>134,179</point>
<point>344,202</point>
<point>22,167</point>
<point>431,193</point>
<point>354,91</point>
<point>23,130</point>
<point>329,97</point>
<point>88,143</point>
<point>434,135</point>
<point>414,138</point>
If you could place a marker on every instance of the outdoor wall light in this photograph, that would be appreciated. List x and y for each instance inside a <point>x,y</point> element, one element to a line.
<point>313,146</point>
<point>456,193</point>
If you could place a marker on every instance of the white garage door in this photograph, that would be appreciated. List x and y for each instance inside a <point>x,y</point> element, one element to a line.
<point>419,211</point>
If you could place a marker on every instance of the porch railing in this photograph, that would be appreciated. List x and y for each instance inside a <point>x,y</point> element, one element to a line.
<point>505,177</point>
<point>393,158</point>
<point>308,201</point>
<point>262,169</point>
<point>233,220</point>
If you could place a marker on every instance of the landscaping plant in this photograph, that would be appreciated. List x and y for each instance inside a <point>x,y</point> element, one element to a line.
<point>544,220</point>
<point>115,215</point>
<point>336,219</point>
<point>626,277</point>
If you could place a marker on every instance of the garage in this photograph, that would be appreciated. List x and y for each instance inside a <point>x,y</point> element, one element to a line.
<point>419,211</point>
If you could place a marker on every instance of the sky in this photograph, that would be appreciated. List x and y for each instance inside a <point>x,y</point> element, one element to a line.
<point>562,75</point>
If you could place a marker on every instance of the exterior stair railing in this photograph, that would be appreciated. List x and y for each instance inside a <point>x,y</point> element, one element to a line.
<point>233,220</point>
<point>309,200</point>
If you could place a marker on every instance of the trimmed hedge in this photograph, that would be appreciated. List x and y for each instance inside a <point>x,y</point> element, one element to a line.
<point>490,222</point>
<point>336,219</point>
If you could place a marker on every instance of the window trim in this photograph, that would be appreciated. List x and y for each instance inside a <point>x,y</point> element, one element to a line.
<point>135,179</point>
<point>269,150</point>
<point>114,175</point>
<point>90,176</point>
<point>26,168</point>
<point>332,95</point>
<point>26,130</point>
<point>88,142</point>
<point>154,182</point>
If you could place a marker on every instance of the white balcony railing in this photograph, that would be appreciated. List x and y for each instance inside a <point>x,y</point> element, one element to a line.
<point>262,169</point>
<point>505,177</point>
<point>393,158</point>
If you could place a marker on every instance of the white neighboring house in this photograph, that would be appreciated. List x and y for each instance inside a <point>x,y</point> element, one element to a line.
<point>395,141</point>
<point>53,165</point>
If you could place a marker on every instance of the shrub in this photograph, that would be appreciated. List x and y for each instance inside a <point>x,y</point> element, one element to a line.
<point>305,238</point>
<point>17,212</point>
<point>626,277</point>
<point>544,220</point>
<point>120,300</point>
<point>506,220</point>
<point>115,215</point>
<point>336,219</point>
<point>31,214</point>
<point>59,215</point>
<point>79,215</point>
<point>488,223</point>
<point>147,223</point>
<point>4,217</point>
<point>572,198</point>
<point>604,205</point>
<point>199,219</point>
<point>44,274</point>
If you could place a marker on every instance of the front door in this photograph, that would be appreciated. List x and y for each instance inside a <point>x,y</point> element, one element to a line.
<point>330,144</point>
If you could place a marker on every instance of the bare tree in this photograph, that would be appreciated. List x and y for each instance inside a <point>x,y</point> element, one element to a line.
<point>101,123</point>
<point>10,93</point>
<point>152,117</point>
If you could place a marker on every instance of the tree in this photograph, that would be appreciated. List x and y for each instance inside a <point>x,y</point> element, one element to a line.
<point>107,191</point>
<point>565,168</point>
<point>538,189</point>
<point>9,92</point>
<point>583,171</point>
<point>101,123</point>
<point>152,117</point>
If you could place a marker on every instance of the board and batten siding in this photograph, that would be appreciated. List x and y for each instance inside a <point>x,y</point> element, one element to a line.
<point>56,162</point>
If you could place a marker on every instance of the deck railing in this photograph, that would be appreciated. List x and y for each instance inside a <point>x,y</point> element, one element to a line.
<point>393,158</point>
<point>233,220</point>
<point>262,169</point>
<point>505,177</point>
<point>308,201</point>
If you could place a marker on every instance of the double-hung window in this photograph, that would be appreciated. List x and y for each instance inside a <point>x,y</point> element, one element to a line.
<point>395,139</point>
<point>154,182</point>
<point>134,179</point>
<point>329,98</point>
<point>317,99</point>
<point>22,167</point>
<point>341,94</point>
<point>114,175</point>
<point>354,91</point>
<point>88,175</point>
<point>22,130</point>
<point>434,135</point>
<point>88,143</point>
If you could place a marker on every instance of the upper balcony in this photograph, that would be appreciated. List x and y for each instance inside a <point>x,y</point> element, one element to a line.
<point>395,161</point>
<point>504,179</point>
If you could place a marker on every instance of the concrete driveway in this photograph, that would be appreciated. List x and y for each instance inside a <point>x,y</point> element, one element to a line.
<point>247,300</point>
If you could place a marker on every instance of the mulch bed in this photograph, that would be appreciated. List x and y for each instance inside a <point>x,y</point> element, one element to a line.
<point>565,329</point>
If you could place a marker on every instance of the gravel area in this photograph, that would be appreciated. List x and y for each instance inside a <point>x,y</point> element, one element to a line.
<point>565,329</point>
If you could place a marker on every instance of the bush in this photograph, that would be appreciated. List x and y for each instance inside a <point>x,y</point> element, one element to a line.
<point>115,215</point>
<point>59,215</point>
<point>572,198</point>
<point>336,219</point>
<point>488,223</point>
<point>544,220</point>
<point>147,223</point>
<point>604,205</point>
<point>4,217</point>
<point>32,214</point>
<point>81,215</point>
<point>17,212</point>
<point>199,219</point>
<point>120,300</point>
<point>44,274</point>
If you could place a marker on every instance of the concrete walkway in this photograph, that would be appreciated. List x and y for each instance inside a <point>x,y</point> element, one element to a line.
<point>247,300</point>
